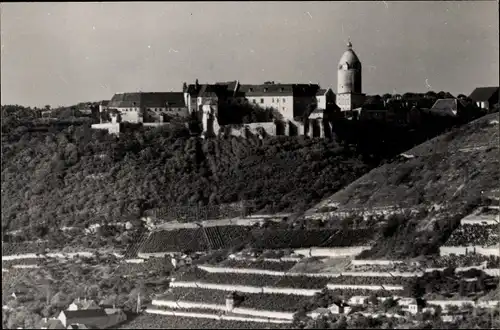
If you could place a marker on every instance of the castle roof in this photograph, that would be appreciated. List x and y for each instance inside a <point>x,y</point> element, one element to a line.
<point>147,100</point>
<point>349,56</point>
<point>279,90</point>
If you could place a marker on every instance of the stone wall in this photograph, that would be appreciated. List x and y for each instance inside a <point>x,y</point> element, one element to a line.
<point>463,250</point>
<point>228,270</point>
<point>378,262</point>
<point>365,287</point>
<point>287,128</point>
<point>332,252</point>
<point>244,288</point>
<point>112,128</point>
<point>217,317</point>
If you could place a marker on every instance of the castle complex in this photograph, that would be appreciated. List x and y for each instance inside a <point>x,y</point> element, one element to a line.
<point>292,101</point>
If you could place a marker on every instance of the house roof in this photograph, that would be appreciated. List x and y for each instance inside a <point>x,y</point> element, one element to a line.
<point>147,100</point>
<point>104,102</point>
<point>321,91</point>
<point>484,93</point>
<point>448,106</point>
<point>52,324</point>
<point>84,313</point>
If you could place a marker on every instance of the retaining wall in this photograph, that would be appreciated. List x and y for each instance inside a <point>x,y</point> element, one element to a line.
<point>219,307</point>
<point>244,288</point>
<point>381,262</point>
<point>365,287</point>
<point>463,250</point>
<point>294,259</point>
<point>216,317</point>
<point>332,252</point>
<point>229,270</point>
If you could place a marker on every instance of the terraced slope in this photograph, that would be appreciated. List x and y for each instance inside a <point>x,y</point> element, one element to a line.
<point>454,167</point>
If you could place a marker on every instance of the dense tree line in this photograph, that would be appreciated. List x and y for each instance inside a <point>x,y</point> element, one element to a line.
<point>72,175</point>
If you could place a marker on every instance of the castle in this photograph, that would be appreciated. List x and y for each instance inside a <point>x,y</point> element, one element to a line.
<point>293,102</point>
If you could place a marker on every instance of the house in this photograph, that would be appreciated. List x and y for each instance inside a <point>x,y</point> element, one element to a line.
<point>339,308</point>
<point>325,98</point>
<point>78,326</point>
<point>96,318</point>
<point>148,107</point>
<point>453,317</point>
<point>82,304</point>
<point>319,312</point>
<point>485,97</point>
<point>52,323</point>
<point>357,300</point>
<point>411,305</point>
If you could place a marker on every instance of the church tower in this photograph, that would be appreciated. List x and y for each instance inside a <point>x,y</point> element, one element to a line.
<point>349,95</point>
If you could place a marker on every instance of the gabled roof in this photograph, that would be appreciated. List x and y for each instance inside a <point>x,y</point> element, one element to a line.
<point>85,313</point>
<point>448,106</point>
<point>321,92</point>
<point>484,93</point>
<point>147,100</point>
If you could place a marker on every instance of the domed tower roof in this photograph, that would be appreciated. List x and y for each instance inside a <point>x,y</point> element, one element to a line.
<point>349,57</point>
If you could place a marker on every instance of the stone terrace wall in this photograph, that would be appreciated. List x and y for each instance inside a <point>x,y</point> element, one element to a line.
<point>462,250</point>
<point>365,287</point>
<point>332,252</point>
<point>244,288</point>
<point>216,317</point>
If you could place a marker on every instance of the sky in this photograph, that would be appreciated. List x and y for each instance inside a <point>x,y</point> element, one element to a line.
<point>65,53</point>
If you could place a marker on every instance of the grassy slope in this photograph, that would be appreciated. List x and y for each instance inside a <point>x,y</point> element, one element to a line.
<point>61,177</point>
<point>440,172</point>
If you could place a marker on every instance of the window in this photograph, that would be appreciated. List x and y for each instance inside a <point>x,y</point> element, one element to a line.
<point>272,100</point>
<point>265,90</point>
<point>261,100</point>
<point>284,100</point>
<point>254,101</point>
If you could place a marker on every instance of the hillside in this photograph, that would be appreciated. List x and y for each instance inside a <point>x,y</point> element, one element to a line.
<point>64,176</point>
<point>443,180</point>
<point>453,167</point>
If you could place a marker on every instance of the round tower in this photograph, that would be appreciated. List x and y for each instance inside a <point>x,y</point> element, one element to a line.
<point>349,93</point>
<point>349,72</point>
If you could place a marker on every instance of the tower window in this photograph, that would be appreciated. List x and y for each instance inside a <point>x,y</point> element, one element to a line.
<point>261,100</point>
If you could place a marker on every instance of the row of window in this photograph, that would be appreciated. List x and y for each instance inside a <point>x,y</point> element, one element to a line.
<point>273,100</point>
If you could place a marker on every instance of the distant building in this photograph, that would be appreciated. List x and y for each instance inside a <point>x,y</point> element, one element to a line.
<point>148,107</point>
<point>82,304</point>
<point>485,97</point>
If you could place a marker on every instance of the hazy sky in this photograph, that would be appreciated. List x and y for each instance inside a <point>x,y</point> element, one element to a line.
<point>64,53</point>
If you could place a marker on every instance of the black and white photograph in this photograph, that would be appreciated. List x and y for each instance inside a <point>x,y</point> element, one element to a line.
<point>250,165</point>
